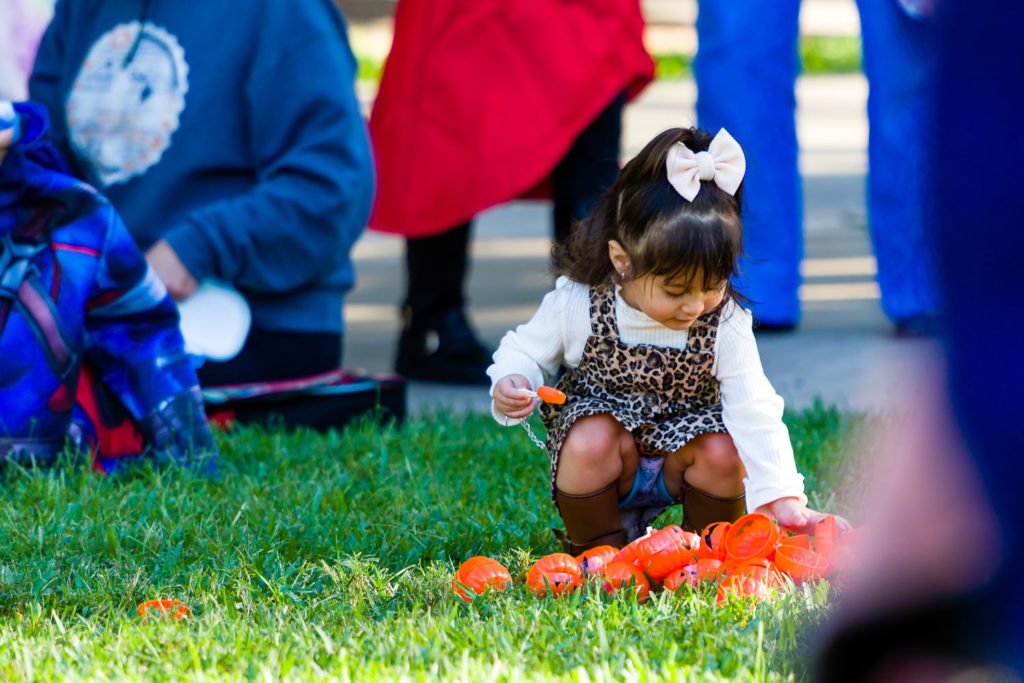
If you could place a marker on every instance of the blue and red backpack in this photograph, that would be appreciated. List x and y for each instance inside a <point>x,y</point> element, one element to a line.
<point>90,346</point>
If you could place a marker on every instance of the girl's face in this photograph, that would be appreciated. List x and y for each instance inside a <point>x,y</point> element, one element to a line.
<point>671,303</point>
<point>666,301</point>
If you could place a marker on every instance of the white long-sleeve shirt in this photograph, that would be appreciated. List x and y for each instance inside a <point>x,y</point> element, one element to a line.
<point>751,409</point>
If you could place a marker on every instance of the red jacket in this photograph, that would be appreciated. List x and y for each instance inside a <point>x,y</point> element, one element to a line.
<point>480,99</point>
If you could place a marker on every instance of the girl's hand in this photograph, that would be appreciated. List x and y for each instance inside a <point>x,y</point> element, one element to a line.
<point>793,515</point>
<point>509,400</point>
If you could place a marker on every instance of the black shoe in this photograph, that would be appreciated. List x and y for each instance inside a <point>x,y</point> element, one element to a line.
<point>443,349</point>
<point>773,327</point>
<point>924,326</point>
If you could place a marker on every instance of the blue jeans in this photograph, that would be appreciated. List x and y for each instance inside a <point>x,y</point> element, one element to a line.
<point>746,69</point>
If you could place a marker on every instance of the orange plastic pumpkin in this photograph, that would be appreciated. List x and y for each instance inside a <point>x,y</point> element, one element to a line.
<point>479,574</point>
<point>619,575</point>
<point>692,540</point>
<point>663,552</point>
<point>680,577</point>
<point>556,573</point>
<point>847,550</point>
<point>758,568</point>
<point>751,536</point>
<point>628,553</point>
<point>800,541</point>
<point>708,568</point>
<point>744,587</point>
<point>594,560</point>
<point>826,535</point>
<point>711,546</point>
<point>176,610</point>
<point>800,563</point>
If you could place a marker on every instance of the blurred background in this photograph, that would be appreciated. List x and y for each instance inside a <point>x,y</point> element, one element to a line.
<point>843,352</point>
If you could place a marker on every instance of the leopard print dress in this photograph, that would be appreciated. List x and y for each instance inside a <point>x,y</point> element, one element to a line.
<point>664,396</point>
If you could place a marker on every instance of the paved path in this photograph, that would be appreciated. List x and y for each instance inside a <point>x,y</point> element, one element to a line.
<point>843,353</point>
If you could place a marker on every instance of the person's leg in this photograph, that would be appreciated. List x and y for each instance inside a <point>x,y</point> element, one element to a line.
<point>595,466</point>
<point>272,355</point>
<point>437,342</point>
<point>900,55</point>
<point>746,67</point>
<point>587,169</point>
<point>706,476</point>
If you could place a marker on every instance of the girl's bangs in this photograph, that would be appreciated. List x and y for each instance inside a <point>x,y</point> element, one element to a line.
<point>692,245</point>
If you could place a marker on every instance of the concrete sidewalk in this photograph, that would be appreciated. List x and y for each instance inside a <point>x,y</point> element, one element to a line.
<point>843,353</point>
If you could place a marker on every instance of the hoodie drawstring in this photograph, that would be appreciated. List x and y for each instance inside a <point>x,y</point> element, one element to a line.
<point>143,18</point>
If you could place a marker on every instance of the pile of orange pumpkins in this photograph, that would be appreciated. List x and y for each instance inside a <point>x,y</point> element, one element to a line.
<point>749,558</point>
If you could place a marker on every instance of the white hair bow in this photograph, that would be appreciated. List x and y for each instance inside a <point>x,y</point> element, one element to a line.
<point>723,162</point>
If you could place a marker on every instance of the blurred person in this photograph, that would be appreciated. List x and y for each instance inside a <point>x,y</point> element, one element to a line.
<point>232,144</point>
<point>83,315</point>
<point>667,403</point>
<point>481,103</point>
<point>946,603</point>
<point>22,23</point>
<point>746,68</point>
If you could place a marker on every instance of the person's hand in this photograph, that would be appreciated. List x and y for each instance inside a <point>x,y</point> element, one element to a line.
<point>793,515</point>
<point>509,400</point>
<point>172,272</point>
<point>6,136</point>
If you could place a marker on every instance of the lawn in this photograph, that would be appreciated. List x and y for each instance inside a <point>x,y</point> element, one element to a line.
<point>818,55</point>
<point>331,557</point>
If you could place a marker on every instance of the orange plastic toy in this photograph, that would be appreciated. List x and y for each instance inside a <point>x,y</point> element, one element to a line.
<point>478,575</point>
<point>619,575</point>
<point>546,394</point>
<point>711,546</point>
<point>680,577</point>
<point>800,541</point>
<point>800,563</point>
<point>825,535</point>
<point>745,587</point>
<point>594,560</point>
<point>556,573</point>
<point>751,536</point>
<point>664,551</point>
<point>628,552</point>
<point>709,568</point>
<point>162,609</point>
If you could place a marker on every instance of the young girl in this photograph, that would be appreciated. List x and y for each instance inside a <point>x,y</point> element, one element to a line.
<point>667,401</point>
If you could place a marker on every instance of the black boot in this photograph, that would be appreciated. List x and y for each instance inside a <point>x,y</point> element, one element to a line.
<point>442,348</point>
<point>437,343</point>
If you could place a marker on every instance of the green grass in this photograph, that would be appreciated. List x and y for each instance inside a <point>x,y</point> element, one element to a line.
<point>818,55</point>
<point>332,556</point>
<point>830,54</point>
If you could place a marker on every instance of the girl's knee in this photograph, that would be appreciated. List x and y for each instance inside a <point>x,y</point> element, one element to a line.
<point>594,440</point>
<point>717,453</point>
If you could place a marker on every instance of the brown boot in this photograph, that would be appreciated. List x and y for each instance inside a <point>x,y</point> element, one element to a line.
<point>591,519</point>
<point>701,508</point>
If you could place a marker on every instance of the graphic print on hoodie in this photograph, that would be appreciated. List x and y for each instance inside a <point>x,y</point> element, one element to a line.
<point>126,102</point>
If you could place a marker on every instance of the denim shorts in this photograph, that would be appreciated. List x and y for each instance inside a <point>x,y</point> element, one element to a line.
<point>648,486</point>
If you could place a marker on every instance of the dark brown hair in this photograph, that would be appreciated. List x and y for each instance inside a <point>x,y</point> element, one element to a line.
<point>663,233</point>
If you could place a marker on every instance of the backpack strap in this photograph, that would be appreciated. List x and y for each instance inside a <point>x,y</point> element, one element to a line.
<point>21,287</point>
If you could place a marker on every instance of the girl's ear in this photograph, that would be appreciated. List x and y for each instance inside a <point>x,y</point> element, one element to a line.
<point>619,257</point>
